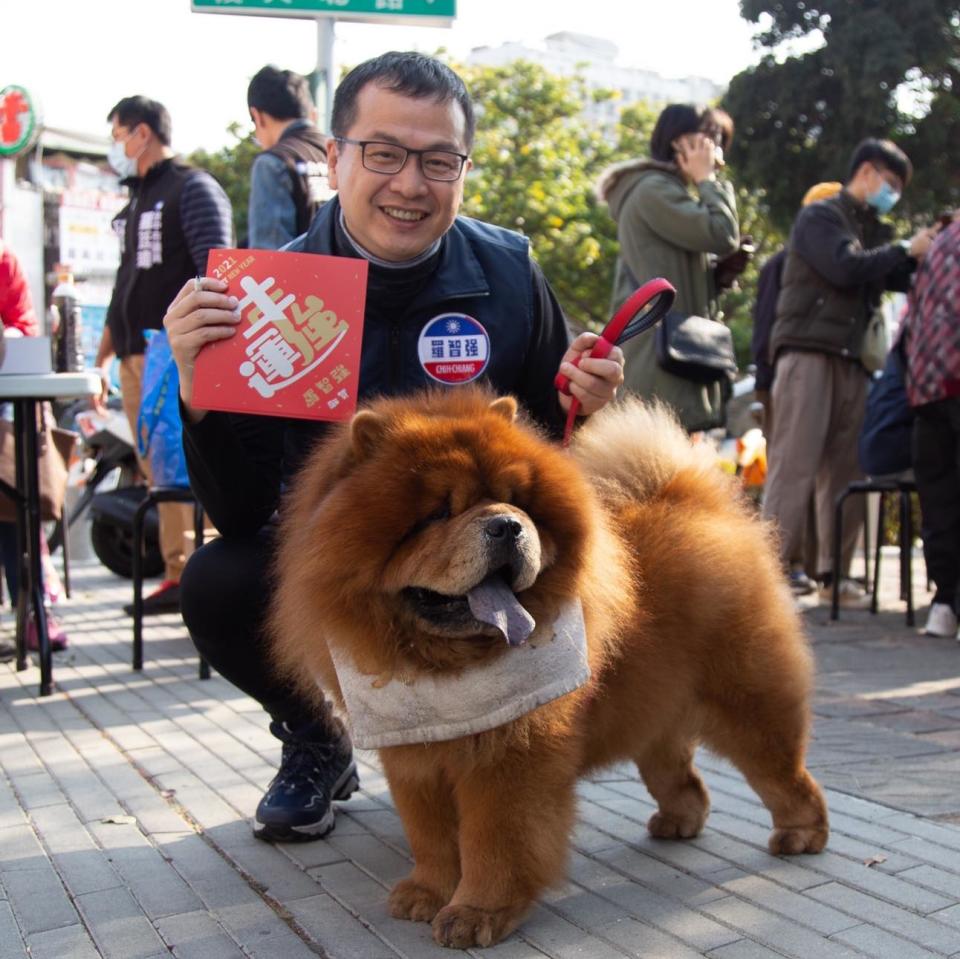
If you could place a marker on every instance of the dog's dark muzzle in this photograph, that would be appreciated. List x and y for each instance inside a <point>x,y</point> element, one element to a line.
<point>505,541</point>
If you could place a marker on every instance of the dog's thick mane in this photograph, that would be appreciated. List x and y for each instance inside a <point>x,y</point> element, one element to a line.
<point>632,450</point>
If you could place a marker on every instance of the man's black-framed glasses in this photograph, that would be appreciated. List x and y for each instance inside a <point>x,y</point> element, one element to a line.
<point>378,156</point>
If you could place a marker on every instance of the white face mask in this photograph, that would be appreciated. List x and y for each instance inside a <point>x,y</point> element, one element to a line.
<point>124,166</point>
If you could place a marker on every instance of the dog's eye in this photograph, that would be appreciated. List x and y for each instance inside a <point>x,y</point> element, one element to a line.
<point>437,516</point>
<point>512,483</point>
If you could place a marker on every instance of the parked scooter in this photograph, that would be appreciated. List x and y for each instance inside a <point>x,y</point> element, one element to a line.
<point>112,489</point>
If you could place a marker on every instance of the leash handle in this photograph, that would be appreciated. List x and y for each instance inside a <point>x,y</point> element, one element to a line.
<point>600,350</point>
<point>641,310</point>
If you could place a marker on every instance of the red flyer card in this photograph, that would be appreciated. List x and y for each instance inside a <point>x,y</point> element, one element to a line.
<point>296,351</point>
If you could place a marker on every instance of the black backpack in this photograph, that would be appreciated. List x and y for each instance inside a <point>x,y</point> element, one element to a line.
<point>885,439</point>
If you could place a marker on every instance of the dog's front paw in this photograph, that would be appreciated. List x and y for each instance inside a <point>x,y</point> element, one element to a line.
<point>460,927</point>
<point>410,900</point>
<point>792,842</point>
<point>671,826</point>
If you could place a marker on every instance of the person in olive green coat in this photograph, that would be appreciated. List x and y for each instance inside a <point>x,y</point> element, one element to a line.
<point>674,218</point>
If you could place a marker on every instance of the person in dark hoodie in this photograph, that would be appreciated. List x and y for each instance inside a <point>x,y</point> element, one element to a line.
<point>288,181</point>
<point>674,216</point>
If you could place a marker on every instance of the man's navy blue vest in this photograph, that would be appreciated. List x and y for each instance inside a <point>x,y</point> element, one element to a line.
<point>484,272</point>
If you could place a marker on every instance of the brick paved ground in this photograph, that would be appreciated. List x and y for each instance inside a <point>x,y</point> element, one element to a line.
<point>124,801</point>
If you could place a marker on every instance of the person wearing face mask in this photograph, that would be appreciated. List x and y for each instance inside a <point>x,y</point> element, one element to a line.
<point>840,258</point>
<point>176,214</point>
<point>288,181</point>
<point>675,217</point>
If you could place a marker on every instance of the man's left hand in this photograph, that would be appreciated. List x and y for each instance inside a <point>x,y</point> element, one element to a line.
<point>594,382</point>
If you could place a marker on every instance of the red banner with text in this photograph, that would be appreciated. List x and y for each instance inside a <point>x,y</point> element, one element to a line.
<point>296,351</point>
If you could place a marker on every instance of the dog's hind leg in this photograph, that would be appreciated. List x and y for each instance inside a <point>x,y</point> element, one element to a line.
<point>769,749</point>
<point>668,773</point>
<point>428,813</point>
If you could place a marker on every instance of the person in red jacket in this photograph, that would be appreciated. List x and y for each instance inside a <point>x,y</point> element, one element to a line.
<point>19,319</point>
<point>16,305</point>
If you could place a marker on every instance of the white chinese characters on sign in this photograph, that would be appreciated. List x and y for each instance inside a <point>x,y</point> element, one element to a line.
<point>150,238</point>
<point>283,351</point>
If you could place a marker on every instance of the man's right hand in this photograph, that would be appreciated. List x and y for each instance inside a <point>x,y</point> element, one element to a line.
<point>200,314</point>
<point>921,242</point>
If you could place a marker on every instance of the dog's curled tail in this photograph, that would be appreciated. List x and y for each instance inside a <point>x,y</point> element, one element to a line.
<point>633,448</point>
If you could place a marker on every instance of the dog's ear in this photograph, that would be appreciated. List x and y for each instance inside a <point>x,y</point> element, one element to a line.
<point>367,429</point>
<point>505,406</point>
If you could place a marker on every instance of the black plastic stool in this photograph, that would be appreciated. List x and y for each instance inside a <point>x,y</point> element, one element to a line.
<point>904,488</point>
<point>158,494</point>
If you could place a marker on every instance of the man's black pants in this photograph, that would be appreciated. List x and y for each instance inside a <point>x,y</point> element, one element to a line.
<point>224,596</point>
<point>936,465</point>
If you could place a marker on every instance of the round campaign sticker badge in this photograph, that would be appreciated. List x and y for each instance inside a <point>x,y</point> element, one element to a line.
<point>453,348</point>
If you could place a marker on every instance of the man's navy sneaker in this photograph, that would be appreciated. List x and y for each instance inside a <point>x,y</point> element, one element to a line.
<point>298,804</point>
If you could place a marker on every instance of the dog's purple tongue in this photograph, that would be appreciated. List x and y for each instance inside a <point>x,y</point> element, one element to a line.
<point>493,602</point>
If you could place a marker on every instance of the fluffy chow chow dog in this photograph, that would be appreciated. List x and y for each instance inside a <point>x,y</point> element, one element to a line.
<point>500,617</point>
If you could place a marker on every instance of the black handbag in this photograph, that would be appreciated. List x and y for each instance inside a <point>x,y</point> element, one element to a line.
<point>695,348</point>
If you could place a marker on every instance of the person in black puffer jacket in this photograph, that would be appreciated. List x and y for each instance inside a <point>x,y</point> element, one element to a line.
<point>175,216</point>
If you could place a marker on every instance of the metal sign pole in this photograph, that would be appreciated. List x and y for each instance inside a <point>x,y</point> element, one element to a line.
<point>323,78</point>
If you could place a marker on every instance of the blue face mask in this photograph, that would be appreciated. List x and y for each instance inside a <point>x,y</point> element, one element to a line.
<point>884,198</point>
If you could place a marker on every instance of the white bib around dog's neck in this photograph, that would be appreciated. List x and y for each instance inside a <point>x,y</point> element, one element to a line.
<point>435,708</point>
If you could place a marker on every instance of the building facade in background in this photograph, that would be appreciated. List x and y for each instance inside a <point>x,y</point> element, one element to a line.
<point>570,54</point>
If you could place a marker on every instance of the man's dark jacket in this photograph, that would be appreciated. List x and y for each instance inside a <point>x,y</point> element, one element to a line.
<point>839,261</point>
<point>302,148</point>
<point>239,464</point>
<point>163,242</point>
<point>154,259</point>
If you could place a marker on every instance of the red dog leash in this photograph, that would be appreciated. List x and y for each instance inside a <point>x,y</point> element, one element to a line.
<point>643,309</point>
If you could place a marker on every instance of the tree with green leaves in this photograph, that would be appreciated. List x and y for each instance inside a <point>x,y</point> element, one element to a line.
<point>885,69</point>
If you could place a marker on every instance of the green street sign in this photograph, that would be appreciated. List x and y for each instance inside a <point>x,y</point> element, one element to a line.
<point>422,13</point>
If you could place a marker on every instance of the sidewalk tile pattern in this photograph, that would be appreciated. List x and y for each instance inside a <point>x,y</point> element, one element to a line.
<point>125,801</point>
